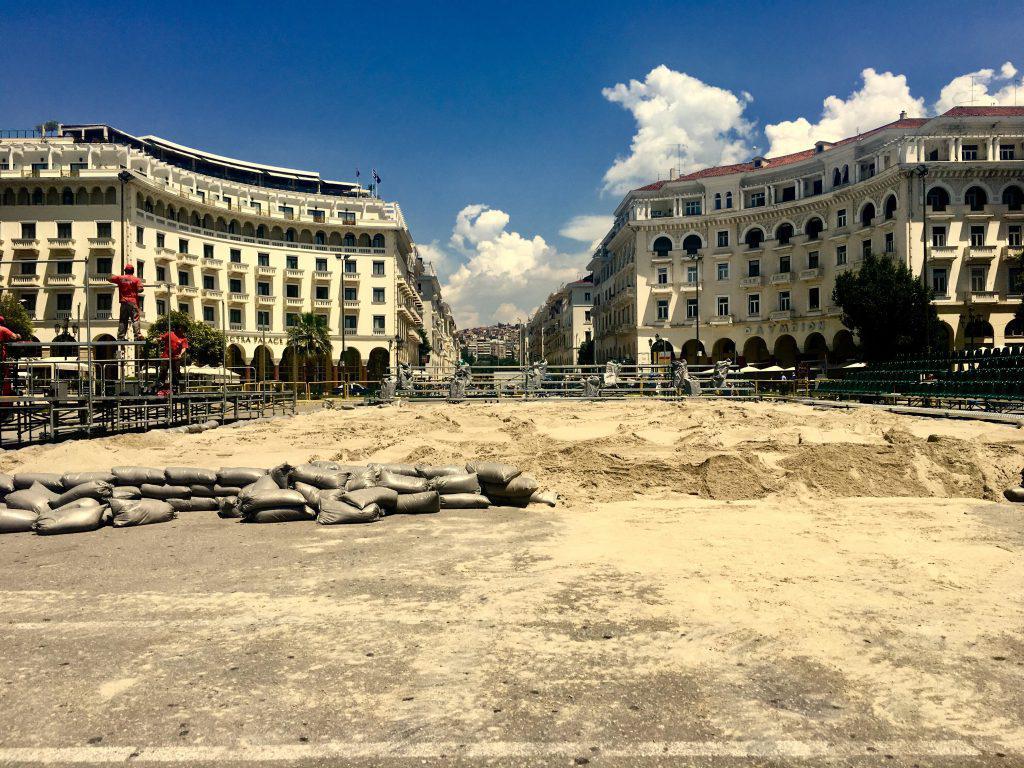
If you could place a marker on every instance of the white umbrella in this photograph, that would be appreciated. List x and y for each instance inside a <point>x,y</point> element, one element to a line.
<point>772,369</point>
<point>749,369</point>
<point>856,365</point>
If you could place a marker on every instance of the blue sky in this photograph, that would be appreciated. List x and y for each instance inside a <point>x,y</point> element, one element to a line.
<point>489,122</point>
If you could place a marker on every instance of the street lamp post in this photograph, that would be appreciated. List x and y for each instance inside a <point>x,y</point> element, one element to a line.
<point>344,259</point>
<point>696,257</point>
<point>921,171</point>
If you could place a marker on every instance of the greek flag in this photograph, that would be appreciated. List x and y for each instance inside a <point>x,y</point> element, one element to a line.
<point>376,176</point>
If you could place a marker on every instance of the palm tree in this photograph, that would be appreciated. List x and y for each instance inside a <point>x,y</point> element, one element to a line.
<point>310,338</point>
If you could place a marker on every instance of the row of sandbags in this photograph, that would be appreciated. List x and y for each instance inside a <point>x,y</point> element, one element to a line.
<point>325,491</point>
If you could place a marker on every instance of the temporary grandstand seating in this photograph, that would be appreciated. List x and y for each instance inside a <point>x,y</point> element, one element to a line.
<point>990,377</point>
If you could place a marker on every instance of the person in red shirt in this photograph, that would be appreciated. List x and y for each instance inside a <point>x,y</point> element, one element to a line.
<point>172,347</point>
<point>129,288</point>
<point>6,335</point>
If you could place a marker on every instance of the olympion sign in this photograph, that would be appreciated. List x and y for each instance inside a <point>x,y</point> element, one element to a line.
<point>786,326</point>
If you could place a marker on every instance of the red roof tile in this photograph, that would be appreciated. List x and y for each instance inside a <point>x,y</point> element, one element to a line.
<point>984,112</point>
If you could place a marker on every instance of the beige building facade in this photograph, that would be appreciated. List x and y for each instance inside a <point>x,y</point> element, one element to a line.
<point>745,257</point>
<point>242,246</point>
<point>562,323</point>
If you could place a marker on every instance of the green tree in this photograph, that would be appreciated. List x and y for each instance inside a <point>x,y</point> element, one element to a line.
<point>15,315</point>
<point>205,344</point>
<point>585,355</point>
<point>309,339</point>
<point>889,310</point>
<point>425,346</point>
<point>466,356</point>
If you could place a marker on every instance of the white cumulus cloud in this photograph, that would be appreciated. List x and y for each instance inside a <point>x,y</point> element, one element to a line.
<point>682,123</point>
<point>880,99</point>
<point>587,229</point>
<point>973,89</point>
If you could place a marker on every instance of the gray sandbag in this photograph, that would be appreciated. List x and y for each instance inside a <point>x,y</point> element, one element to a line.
<point>385,498</point>
<point>37,498</point>
<point>228,507</point>
<point>77,517</point>
<point>399,469</point>
<point>365,479</point>
<point>202,491</point>
<point>165,491</point>
<point>310,493</point>
<point>430,472</point>
<point>402,483</point>
<point>281,515</point>
<point>464,501</point>
<point>1014,494</point>
<point>464,483</point>
<point>282,474</point>
<point>544,497</point>
<point>337,512</point>
<point>228,490</point>
<point>239,477</point>
<point>50,480</point>
<point>6,484</point>
<point>137,475</point>
<point>264,483</point>
<point>130,512</point>
<point>71,479</point>
<point>126,492</point>
<point>318,477</point>
<point>418,503</point>
<point>521,487</point>
<point>494,472</point>
<point>189,476</point>
<point>194,429</point>
<point>195,504</point>
<point>210,424</point>
<point>253,501</point>
<point>17,520</point>
<point>94,489</point>
<point>331,465</point>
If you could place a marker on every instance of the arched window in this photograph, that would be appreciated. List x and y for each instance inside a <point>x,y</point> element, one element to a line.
<point>890,207</point>
<point>149,205</point>
<point>378,240</point>
<point>784,233</point>
<point>813,228</point>
<point>67,197</point>
<point>754,238</point>
<point>976,198</point>
<point>110,196</point>
<point>837,178</point>
<point>233,227</point>
<point>172,214</point>
<point>867,214</point>
<point>349,241</point>
<point>661,247</point>
<point>319,238</point>
<point>37,197</point>
<point>937,199</point>
<point>8,198</point>
<point>692,244</point>
<point>289,235</point>
<point>364,240</point>
<point>718,201</point>
<point>728,199</point>
<point>261,232</point>
<point>846,174</point>
<point>1013,198</point>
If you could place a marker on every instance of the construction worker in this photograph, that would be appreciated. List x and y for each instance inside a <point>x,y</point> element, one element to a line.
<point>172,346</point>
<point>6,336</point>
<point>129,288</point>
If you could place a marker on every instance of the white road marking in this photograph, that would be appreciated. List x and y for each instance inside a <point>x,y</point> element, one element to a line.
<point>261,753</point>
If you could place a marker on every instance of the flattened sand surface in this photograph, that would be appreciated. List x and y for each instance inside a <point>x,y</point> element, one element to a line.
<point>731,582</point>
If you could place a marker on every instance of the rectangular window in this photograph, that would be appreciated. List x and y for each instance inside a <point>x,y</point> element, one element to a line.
<point>235,316</point>
<point>350,323</point>
<point>1006,152</point>
<point>969,152</point>
<point>105,266</point>
<point>691,273</point>
<point>27,267</point>
<point>723,238</point>
<point>104,302</point>
<point>208,282</point>
<point>235,285</point>
<point>140,235</point>
<point>182,245</point>
<point>350,266</point>
<point>841,217</point>
<point>865,248</point>
<point>938,236</point>
<point>814,298</point>
<point>103,229</point>
<point>208,314</point>
<point>64,267</point>
<point>722,269</point>
<point>290,319</point>
<point>161,307</point>
<point>64,302</point>
<point>784,303</point>
<point>817,186</point>
<point>784,264</point>
<point>1015,281</point>
<point>890,242</point>
<point>161,274</point>
<point>140,269</point>
<point>287,210</point>
<point>350,293</point>
<point>235,255</point>
<point>321,265</point>
<point>322,292</point>
<point>207,251</point>
<point>754,268</point>
<point>378,295</point>
<point>977,279</point>
<point>754,305</point>
<point>1013,236</point>
<point>662,309</point>
<point>291,290</point>
<point>256,205</point>
<point>182,277</point>
<point>662,276</point>
<point>291,262</point>
<point>378,269</point>
<point>940,281</point>
<point>692,208</point>
<point>28,301</point>
<point>159,239</point>
<point>64,230</point>
<point>788,194</point>
<point>691,309</point>
<point>723,306</point>
<point>378,323</point>
<point>756,199</point>
<point>977,235</point>
<point>812,260</point>
<point>28,230</point>
<point>262,319</point>
<point>263,259</point>
<point>262,289</point>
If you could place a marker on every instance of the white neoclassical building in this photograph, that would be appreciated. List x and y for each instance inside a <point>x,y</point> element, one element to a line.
<point>242,246</point>
<point>745,256</point>
<point>562,323</point>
